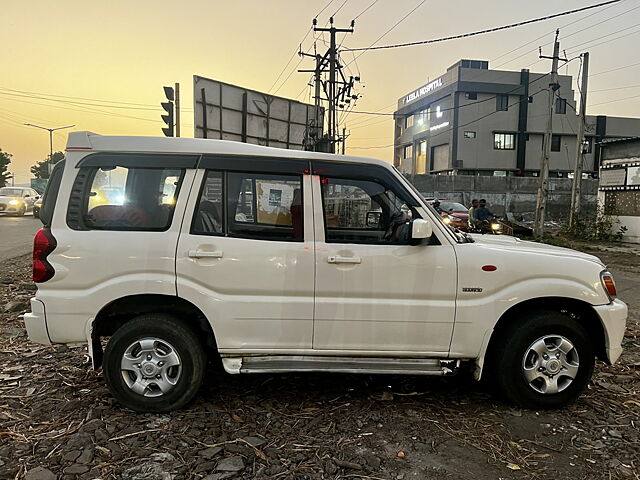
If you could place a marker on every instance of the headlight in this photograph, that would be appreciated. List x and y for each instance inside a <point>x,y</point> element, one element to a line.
<point>609,284</point>
<point>446,220</point>
<point>14,202</point>
<point>495,226</point>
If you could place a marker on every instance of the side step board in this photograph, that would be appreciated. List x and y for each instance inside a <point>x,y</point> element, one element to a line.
<point>310,363</point>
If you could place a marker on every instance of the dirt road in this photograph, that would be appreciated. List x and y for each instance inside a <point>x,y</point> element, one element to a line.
<point>57,419</point>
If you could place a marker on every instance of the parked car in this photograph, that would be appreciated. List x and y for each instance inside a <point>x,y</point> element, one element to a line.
<point>36,208</point>
<point>272,260</point>
<point>17,200</point>
<point>454,214</point>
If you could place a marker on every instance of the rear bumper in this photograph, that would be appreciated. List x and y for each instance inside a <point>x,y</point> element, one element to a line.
<point>36,323</point>
<point>614,320</point>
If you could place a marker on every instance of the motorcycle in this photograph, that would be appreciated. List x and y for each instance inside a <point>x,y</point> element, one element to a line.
<point>489,226</point>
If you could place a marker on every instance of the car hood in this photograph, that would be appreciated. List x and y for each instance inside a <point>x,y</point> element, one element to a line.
<point>506,242</point>
<point>4,199</point>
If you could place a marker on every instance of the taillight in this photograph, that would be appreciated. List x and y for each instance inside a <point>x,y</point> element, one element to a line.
<point>609,284</point>
<point>43,245</point>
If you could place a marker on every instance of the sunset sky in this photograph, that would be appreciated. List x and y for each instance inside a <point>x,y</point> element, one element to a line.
<point>74,62</point>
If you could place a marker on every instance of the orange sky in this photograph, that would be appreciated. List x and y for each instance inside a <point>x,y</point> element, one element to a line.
<point>125,51</point>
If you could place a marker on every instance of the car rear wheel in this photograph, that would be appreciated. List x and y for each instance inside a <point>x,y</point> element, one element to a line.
<point>154,363</point>
<point>543,360</point>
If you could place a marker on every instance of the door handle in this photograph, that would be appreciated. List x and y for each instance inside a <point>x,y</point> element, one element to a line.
<point>338,259</point>
<point>204,254</point>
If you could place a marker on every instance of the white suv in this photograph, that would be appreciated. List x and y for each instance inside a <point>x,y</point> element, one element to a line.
<point>180,250</point>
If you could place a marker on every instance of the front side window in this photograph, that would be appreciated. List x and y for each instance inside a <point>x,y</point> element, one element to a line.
<point>122,198</point>
<point>265,206</point>
<point>504,141</point>
<point>360,211</point>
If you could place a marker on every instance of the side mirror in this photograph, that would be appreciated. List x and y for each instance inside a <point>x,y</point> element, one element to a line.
<point>421,228</point>
<point>373,219</point>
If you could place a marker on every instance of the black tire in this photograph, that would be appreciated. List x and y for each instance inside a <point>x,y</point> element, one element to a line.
<point>165,328</point>
<point>506,366</point>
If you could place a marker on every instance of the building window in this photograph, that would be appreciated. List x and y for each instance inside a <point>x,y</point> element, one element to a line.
<point>504,141</point>
<point>555,143</point>
<point>561,106</point>
<point>422,116</point>
<point>531,99</point>
<point>587,145</point>
<point>469,134</point>
<point>502,103</point>
<point>472,95</point>
<point>408,122</point>
<point>408,151</point>
<point>421,158</point>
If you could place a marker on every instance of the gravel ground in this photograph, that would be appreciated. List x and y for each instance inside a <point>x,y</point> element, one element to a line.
<point>58,420</point>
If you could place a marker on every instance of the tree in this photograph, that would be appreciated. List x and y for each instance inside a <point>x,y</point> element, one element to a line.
<point>41,169</point>
<point>5,160</point>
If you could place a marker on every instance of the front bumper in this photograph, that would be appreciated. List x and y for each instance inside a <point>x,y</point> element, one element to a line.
<point>614,320</point>
<point>36,323</point>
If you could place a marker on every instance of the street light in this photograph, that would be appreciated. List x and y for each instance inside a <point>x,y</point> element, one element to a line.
<point>50,130</point>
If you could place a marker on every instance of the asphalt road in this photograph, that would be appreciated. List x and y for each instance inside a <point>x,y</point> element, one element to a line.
<point>16,235</point>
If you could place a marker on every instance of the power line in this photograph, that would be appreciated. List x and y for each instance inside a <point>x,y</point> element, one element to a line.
<point>614,69</point>
<point>613,101</point>
<point>371,47</point>
<point>481,32</point>
<point>363,11</point>
<point>571,48</point>
<point>340,8</point>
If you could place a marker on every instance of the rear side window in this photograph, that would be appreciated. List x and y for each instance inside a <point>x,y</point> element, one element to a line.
<point>209,216</point>
<point>265,206</point>
<point>124,198</point>
<point>51,194</point>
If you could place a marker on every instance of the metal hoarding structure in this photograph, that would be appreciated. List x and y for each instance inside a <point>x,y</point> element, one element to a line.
<point>230,112</point>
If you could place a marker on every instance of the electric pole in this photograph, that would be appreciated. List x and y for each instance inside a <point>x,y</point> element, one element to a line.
<point>543,188</point>
<point>337,89</point>
<point>577,174</point>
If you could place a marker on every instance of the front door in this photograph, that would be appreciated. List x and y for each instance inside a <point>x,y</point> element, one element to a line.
<point>375,291</point>
<point>245,256</point>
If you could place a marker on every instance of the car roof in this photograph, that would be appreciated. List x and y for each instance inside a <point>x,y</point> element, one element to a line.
<point>92,142</point>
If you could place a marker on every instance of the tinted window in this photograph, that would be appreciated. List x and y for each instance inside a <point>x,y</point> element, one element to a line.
<point>208,219</point>
<point>51,194</point>
<point>264,206</point>
<point>359,211</point>
<point>124,198</point>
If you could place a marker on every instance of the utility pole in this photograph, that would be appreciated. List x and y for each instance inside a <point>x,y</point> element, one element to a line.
<point>50,130</point>
<point>177,109</point>
<point>543,188</point>
<point>337,91</point>
<point>577,174</point>
<point>344,139</point>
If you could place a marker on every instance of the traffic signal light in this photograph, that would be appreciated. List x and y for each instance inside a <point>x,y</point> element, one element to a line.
<point>169,108</point>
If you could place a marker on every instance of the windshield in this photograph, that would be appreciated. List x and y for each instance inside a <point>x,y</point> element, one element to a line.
<point>10,192</point>
<point>453,207</point>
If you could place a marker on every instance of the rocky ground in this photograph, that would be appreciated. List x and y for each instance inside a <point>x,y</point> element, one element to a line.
<point>58,420</point>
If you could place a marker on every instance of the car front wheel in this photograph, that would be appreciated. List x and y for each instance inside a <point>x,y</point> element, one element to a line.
<point>543,360</point>
<point>154,363</point>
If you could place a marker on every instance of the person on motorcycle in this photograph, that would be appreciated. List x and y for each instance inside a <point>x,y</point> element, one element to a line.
<point>436,205</point>
<point>472,214</point>
<point>482,213</point>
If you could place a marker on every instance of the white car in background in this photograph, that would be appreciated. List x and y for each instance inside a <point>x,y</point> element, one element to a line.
<point>17,200</point>
<point>273,260</point>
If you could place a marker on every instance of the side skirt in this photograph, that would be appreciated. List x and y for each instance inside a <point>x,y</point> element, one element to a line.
<point>310,363</point>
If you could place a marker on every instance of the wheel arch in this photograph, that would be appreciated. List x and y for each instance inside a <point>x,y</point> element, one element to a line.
<point>579,310</point>
<point>118,312</point>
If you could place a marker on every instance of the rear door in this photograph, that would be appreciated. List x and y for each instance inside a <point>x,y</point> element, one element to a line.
<point>245,255</point>
<point>376,292</point>
<point>117,236</point>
